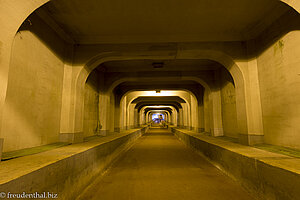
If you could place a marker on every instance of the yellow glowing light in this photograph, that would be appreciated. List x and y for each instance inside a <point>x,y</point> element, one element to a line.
<point>162,93</point>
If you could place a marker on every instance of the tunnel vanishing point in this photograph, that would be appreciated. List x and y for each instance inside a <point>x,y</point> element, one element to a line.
<point>156,99</point>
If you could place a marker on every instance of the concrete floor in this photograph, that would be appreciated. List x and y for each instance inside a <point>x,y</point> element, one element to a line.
<point>159,166</point>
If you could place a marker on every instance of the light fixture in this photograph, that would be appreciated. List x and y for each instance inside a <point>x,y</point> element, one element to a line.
<point>158,65</point>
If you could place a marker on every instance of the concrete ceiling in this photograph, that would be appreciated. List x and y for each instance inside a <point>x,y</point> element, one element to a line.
<point>135,21</point>
<point>157,110</point>
<point>191,86</point>
<point>154,65</point>
<point>175,104</point>
<point>159,100</point>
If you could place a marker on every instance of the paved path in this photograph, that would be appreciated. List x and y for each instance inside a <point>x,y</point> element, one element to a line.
<point>159,166</point>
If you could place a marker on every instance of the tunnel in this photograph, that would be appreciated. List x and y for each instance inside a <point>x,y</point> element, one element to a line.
<point>150,99</point>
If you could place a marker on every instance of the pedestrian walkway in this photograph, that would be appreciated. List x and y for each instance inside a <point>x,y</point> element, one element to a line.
<point>159,166</point>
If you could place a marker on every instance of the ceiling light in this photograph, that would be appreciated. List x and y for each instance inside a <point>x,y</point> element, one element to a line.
<point>158,65</point>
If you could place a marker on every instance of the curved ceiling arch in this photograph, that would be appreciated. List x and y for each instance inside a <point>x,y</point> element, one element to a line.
<point>184,79</point>
<point>180,96</point>
<point>158,101</point>
<point>194,87</point>
<point>140,105</point>
<point>158,109</point>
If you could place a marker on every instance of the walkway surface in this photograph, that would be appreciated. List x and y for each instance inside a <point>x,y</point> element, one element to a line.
<point>159,166</point>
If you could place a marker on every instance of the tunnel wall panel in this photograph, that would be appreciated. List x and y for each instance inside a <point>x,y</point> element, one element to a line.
<point>279,80</point>
<point>34,93</point>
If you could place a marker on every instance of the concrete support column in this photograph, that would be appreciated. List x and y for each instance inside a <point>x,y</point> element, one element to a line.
<point>104,113</point>
<point>188,116</point>
<point>123,113</point>
<point>111,122</point>
<point>217,125</point>
<point>117,118</point>
<point>167,117</point>
<point>130,116</point>
<point>201,124</point>
<point>136,118</point>
<point>5,52</point>
<point>149,117</point>
<point>207,113</point>
<point>69,130</point>
<point>194,113</point>
<point>174,117</point>
<point>254,133</point>
<point>146,118</point>
<point>185,115</point>
<point>143,116</point>
<point>1,147</point>
<point>180,118</point>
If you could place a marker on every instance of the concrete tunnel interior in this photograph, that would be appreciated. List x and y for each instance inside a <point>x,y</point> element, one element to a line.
<point>86,83</point>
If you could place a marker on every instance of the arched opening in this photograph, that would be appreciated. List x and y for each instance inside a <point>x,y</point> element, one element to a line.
<point>63,79</point>
<point>39,25</point>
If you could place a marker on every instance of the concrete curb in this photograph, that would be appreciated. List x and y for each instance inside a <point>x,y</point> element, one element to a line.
<point>267,175</point>
<point>65,171</point>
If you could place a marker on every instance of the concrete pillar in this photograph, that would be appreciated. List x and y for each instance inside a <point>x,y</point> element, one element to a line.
<point>69,130</point>
<point>1,147</point>
<point>194,113</point>
<point>142,116</point>
<point>207,113</point>
<point>174,117</point>
<point>146,118</point>
<point>180,118</point>
<point>104,112</point>
<point>130,116</point>
<point>123,113</point>
<point>111,113</point>
<point>217,125</point>
<point>167,117</point>
<point>201,124</point>
<point>136,118</point>
<point>185,115</point>
<point>254,132</point>
<point>189,116</point>
<point>117,114</point>
<point>149,117</point>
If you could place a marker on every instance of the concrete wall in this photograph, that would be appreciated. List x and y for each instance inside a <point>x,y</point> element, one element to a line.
<point>279,80</point>
<point>91,103</point>
<point>229,115</point>
<point>33,101</point>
